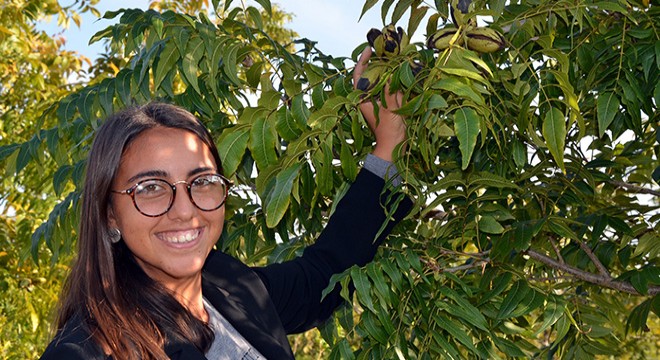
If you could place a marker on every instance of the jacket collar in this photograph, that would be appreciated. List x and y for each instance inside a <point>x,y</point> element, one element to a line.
<point>240,296</point>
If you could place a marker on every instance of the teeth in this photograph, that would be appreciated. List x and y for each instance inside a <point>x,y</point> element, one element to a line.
<point>183,237</point>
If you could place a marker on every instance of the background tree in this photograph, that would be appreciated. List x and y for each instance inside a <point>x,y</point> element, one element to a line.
<point>533,166</point>
<point>34,74</point>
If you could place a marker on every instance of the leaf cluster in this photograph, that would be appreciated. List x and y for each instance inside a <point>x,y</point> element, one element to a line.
<point>533,169</point>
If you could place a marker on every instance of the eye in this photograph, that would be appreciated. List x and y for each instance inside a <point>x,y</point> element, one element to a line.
<point>151,189</point>
<point>207,182</point>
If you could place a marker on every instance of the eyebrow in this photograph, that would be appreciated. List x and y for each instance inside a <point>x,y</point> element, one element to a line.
<point>163,174</point>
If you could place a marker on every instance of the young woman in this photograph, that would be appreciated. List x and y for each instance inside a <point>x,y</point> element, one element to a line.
<point>147,283</point>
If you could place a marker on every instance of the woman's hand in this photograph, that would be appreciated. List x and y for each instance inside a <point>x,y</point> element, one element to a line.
<point>388,127</point>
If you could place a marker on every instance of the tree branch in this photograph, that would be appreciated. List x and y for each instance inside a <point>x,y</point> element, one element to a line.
<point>599,265</point>
<point>474,265</point>
<point>635,188</point>
<point>556,248</point>
<point>601,280</point>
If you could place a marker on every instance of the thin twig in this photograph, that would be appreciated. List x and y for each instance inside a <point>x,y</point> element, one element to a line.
<point>599,265</point>
<point>476,264</point>
<point>635,188</point>
<point>556,248</point>
<point>605,281</point>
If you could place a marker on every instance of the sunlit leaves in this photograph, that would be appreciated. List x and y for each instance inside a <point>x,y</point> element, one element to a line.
<point>232,145</point>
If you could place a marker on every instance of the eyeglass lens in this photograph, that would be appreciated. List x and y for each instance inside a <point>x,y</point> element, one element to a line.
<point>155,196</point>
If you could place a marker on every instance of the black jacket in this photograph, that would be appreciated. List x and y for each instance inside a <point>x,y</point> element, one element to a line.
<point>265,304</point>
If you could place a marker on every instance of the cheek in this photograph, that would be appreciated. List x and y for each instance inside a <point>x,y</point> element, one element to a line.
<point>217,220</point>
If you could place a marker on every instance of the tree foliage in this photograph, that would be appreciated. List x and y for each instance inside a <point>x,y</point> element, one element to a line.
<point>533,168</point>
<point>34,73</point>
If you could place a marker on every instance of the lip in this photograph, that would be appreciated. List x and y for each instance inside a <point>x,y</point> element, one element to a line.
<point>181,239</point>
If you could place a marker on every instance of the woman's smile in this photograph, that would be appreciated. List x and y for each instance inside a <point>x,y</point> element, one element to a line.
<point>180,237</point>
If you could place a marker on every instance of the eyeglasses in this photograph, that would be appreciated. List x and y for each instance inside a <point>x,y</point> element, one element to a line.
<point>154,197</point>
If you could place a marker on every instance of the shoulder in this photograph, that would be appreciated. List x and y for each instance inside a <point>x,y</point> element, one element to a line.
<point>231,274</point>
<point>73,341</point>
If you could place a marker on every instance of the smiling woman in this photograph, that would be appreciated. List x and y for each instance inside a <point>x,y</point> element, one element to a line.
<point>148,284</point>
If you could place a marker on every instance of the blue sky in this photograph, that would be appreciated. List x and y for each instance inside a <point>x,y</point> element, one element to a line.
<point>333,23</point>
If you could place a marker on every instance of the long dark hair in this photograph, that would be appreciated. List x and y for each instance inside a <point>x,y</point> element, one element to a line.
<point>126,312</point>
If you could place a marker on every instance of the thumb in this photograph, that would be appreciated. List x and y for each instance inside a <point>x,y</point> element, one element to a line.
<point>361,65</point>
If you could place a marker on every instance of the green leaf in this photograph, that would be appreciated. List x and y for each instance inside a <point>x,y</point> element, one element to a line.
<point>466,127</point>
<point>416,17</point>
<point>516,294</point>
<point>367,5</point>
<point>412,106</point>
<point>499,284</point>
<point>253,74</point>
<point>558,226</point>
<point>7,150</point>
<point>456,330</point>
<point>489,225</point>
<point>400,9</point>
<point>463,73</point>
<point>86,104</point>
<point>190,63</point>
<point>231,146</point>
<point>406,75</point>
<point>67,108</point>
<point>286,126</point>
<point>279,198</point>
<point>638,317</point>
<point>213,59</point>
<point>263,141</point>
<point>314,74</point>
<point>348,165</point>
<point>123,88</point>
<point>323,119</point>
<point>342,351</point>
<point>554,132</point>
<point>324,174</point>
<point>608,107</point>
<point>229,63</point>
<point>554,309</point>
<point>436,101</point>
<point>165,62</point>
<point>489,180</point>
<point>508,347</point>
<point>269,99</point>
<point>463,309</point>
<point>362,288</point>
<point>375,273</point>
<point>266,5</point>
<point>648,246</point>
<point>255,15</point>
<point>299,109</point>
<point>23,157</point>
<point>523,232</point>
<point>60,178</point>
<point>459,88</point>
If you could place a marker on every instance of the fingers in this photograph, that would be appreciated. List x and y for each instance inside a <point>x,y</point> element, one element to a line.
<point>361,65</point>
<point>392,100</point>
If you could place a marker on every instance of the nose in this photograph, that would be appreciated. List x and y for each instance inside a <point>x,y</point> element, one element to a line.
<point>182,207</point>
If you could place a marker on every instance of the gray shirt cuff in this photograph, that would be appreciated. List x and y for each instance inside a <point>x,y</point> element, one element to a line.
<point>383,169</point>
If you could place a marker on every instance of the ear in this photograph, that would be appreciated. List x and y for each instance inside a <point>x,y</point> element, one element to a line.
<point>112,219</point>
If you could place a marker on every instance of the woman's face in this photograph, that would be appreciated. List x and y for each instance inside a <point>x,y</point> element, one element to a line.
<point>171,247</point>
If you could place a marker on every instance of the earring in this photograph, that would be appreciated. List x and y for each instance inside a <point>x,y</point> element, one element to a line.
<point>115,235</point>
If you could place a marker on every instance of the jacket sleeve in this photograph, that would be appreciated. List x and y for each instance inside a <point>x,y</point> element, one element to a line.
<point>73,342</point>
<point>295,287</point>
